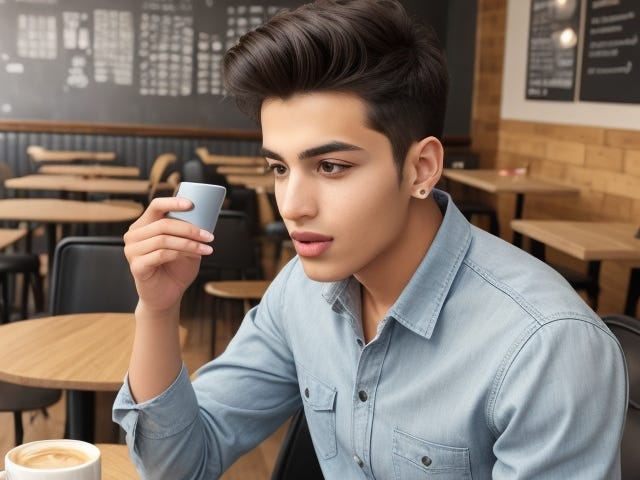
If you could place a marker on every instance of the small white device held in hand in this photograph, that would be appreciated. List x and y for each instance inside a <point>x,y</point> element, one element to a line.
<point>207,201</point>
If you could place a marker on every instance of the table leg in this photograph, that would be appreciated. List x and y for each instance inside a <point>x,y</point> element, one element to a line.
<point>633,293</point>
<point>80,415</point>
<point>51,244</point>
<point>517,236</point>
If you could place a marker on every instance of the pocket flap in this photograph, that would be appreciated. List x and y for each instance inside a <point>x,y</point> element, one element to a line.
<point>316,394</point>
<point>428,455</point>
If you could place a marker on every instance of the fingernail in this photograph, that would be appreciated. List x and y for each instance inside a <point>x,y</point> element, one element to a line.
<point>184,203</point>
<point>206,235</point>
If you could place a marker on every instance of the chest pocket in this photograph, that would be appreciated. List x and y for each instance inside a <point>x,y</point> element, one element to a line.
<point>319,400</point>
<point>418,459</point>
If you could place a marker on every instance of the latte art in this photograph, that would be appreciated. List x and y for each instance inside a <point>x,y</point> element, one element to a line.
<point>50,457</point>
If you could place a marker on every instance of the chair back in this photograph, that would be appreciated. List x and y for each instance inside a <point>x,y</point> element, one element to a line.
<point>91,274</point>
<point>297,458</point>
<point>235,252</point>
<point>160,167</point>
<point>627,331</point>
<point>193,171</point>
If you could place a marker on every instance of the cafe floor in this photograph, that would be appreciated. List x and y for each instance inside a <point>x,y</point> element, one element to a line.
<point>197,318</point>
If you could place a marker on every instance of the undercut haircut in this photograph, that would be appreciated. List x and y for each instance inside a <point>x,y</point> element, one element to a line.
<point>368,48</point>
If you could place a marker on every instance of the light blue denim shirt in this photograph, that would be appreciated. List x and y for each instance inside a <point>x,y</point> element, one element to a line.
<point>487,366</point>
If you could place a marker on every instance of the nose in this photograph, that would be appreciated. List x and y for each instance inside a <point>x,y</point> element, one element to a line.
<point>296,197</point>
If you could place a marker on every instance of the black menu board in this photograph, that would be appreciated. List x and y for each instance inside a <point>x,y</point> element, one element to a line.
<point>133,62</point>
<point>611,52</point>
<point>123,62</point>
<point>552,50</point>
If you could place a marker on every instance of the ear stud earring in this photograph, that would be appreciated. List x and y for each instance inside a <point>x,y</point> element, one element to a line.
<point>423,193</point>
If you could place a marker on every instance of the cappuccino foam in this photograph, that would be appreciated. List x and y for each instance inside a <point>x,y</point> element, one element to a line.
<point>50,456</point>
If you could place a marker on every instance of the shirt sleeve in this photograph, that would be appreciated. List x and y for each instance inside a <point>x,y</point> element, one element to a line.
<point>560,404</point>
<point>197,429</point>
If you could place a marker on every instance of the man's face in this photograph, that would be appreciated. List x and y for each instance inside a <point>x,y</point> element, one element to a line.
<point>336,185</point>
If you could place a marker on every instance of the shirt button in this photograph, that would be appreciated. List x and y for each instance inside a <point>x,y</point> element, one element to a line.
<point>306,392</point>
<point>358,461</point>
<point>360,343</point>
<point>426,461</point>
<point>362,395</point>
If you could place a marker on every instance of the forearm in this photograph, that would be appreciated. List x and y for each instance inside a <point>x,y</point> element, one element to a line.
<point>156,358</point>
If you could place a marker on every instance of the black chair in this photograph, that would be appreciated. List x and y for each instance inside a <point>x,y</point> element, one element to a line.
<point>194,171</point>
<point>297,458</point>
<point>627,330</point>
<point>89,274</point>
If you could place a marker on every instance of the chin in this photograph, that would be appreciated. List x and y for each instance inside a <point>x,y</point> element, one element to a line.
<point>323,272</point>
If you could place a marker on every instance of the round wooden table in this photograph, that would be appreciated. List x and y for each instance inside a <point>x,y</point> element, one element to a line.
<point>91,170</point>
<point>78,184</point>
<point>83,352</point>
<point>88,351</point>
<point>116,462</point>
<point>53,211</point>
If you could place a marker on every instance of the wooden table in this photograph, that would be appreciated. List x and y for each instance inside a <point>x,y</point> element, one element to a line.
<point>78,184</point>
<point>91,170</point>
<point>40,154</point>
<point>53,211</point>
<point>241,170</point>
<point>229,160</point>
<point>116,462</point>
<point>592,242</point>
<point>85,352</point>
<point>494,182</point>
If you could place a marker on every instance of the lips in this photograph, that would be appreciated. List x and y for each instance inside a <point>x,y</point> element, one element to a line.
<point>309,244</point>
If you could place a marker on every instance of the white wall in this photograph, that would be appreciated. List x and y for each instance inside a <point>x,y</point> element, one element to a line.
<point>516,107</point>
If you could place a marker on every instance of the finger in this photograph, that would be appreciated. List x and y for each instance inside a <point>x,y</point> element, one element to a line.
<point>167,226</point>
<point>159,207</point>
<point>178,244</point>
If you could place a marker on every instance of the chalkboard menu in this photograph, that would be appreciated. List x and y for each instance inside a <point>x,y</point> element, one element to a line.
<point>611,52</point>
<point>552,55</point>
<point>121,61</point>
<point>153,64</point>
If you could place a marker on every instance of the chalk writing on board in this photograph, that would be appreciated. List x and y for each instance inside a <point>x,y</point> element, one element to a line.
<point>611,54</point>
<point>37,36</point>
<point>113,46</point>
<point>552,55</point>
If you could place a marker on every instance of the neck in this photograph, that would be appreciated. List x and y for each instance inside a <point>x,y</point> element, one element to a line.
<point>383,282</point>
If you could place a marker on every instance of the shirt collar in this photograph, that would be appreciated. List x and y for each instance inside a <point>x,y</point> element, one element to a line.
<point>421,301</point>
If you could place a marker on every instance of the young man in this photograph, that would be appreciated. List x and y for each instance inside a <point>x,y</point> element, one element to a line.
<point>417,344</point>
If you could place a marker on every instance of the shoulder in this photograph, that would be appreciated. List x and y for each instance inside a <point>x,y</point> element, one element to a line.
<point>568,363</point>
<point>497,268</point>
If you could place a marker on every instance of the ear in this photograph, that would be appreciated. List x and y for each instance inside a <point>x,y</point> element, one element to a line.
<point>424,161</point>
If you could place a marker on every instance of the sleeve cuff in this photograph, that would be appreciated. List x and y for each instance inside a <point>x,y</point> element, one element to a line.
<point>163,416</point>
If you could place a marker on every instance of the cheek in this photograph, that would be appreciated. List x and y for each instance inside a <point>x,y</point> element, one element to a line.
<point>372,218</point>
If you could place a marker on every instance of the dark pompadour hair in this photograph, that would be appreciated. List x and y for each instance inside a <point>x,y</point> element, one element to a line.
<point>369,48</point>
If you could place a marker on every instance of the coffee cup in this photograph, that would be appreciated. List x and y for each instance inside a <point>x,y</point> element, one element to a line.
<point>52,460</point>
<point>207,201</point>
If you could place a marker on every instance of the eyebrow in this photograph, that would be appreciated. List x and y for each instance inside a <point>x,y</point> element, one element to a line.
<point>330,147</point>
